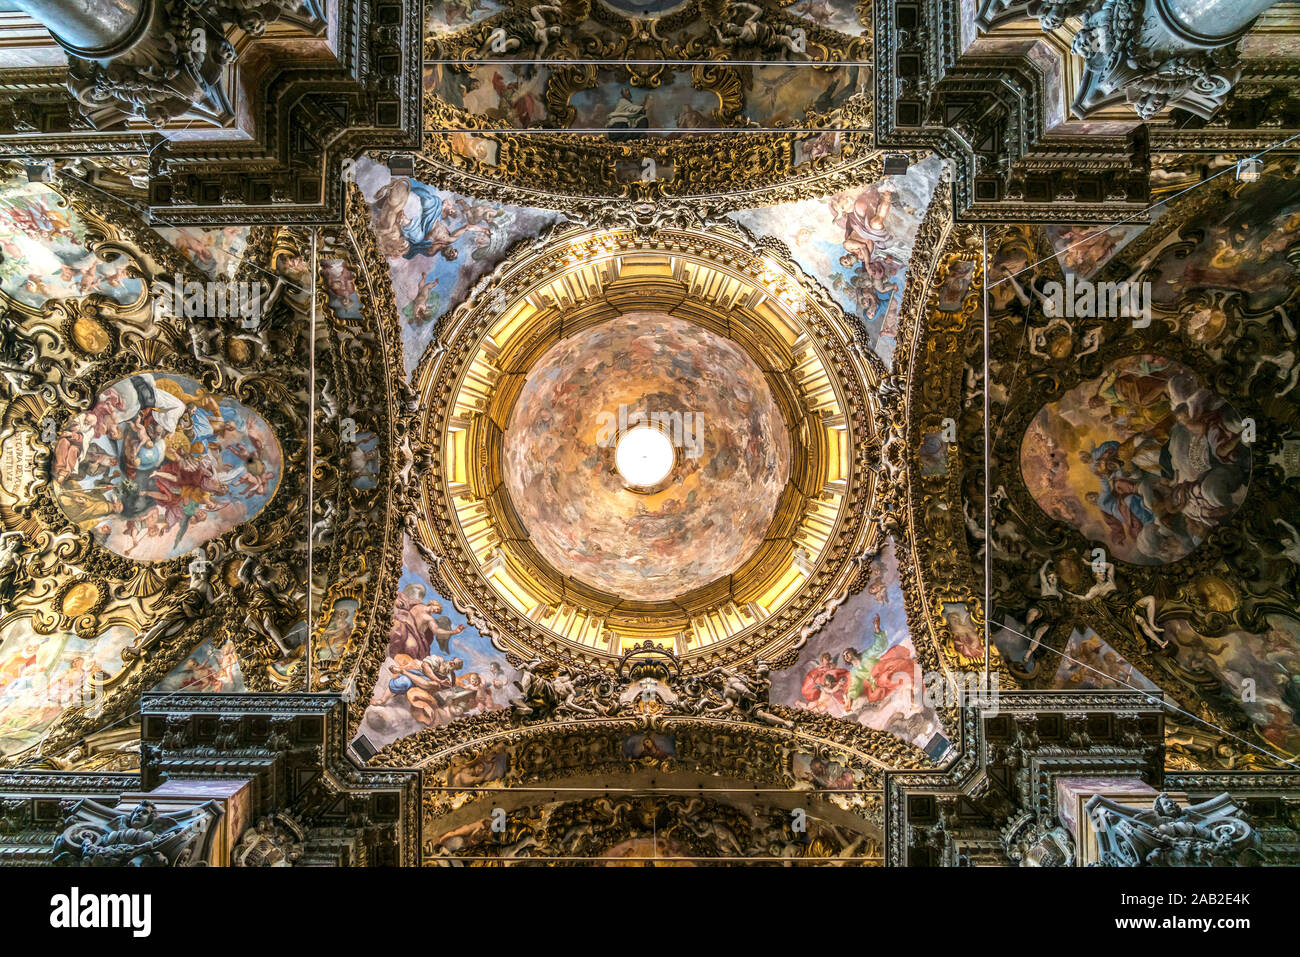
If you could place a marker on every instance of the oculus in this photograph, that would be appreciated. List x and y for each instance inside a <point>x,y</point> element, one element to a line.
<point>644,456</point>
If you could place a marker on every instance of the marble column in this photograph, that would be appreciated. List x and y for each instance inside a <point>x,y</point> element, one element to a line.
<point>1210,23</point>
<point>93,29</point>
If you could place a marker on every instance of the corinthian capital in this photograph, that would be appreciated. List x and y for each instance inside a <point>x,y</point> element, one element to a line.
<point>1151,54</point>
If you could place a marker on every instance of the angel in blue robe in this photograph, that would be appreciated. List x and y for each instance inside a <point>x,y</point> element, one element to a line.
<point>429,235</point>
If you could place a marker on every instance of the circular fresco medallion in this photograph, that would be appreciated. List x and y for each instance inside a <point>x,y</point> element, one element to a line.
<point>161,465</point>
<point>79,599</point>
<point>1144,459</point>
<point>730,456</point>
<point>90,336</point>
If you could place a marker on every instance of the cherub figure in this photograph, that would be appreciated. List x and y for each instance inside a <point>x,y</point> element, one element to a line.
<point>753,31</point>
<point>537,31</point>
<point>743,693</point>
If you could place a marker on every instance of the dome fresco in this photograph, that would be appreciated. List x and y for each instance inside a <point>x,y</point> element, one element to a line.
<point>732,456</point>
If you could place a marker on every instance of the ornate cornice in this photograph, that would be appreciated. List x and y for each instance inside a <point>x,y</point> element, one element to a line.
<point>306,113</point>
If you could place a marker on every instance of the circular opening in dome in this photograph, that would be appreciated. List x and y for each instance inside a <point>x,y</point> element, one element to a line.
<point>644,456</point>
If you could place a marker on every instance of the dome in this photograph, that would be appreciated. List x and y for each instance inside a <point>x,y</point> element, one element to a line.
<point>680,386</point>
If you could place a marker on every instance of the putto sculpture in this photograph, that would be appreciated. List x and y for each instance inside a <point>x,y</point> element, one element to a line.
<point>99,836</point>
<point>1214,833</point>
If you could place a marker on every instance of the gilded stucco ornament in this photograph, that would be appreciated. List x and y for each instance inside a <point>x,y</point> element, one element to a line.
<point>274,841</point>
<point>717,44</point>
<point>243,586</point>
<point>567,684</point>
<point>922,506</point>
<point>1152,54</point>
<point>677,830</point>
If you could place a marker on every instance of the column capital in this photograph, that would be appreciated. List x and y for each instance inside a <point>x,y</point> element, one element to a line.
<point>174,64</point>
<point>1151,54</point>
<point>1214,833</point>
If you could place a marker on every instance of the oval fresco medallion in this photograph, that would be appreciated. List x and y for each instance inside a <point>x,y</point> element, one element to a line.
<point>713,509</point>
<point>1145,459</point>
<point>161,465</point>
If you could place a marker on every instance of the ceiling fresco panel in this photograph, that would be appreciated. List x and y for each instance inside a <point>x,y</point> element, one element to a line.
<point>862,666</point>
<point>207,669</point>
<point>45,252</point>
<point>438,245</point>
<point>437,668</point>
<point>153,484</point>
<point>218,252</point>
<point>161,465</point>
<point>1156,451</point>
<point>1145,459</point>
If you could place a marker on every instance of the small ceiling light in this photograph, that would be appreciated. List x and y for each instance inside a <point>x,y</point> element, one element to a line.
<point>1248,169</point>
<point>401,164</point>
<point>896,164</point>
<point>40,172</point>
<point>644,456</point>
